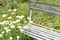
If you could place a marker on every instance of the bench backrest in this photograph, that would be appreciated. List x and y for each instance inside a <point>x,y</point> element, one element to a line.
<point>44,7</point>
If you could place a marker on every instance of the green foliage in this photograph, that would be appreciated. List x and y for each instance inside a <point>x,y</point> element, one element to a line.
<point>24,1</point>
<point>22,9</point>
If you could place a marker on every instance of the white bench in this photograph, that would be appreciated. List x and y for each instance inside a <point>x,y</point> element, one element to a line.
<point>38,32</point>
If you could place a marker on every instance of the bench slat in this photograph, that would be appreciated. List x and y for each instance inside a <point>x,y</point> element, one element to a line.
<point>47,11</point>
<point>37,33</point>
<point>56,5</point>
<point>55,10</point>
<point>45,30</point>
<point>39,36</point>
<point>43,33</point>
<point>32,35</point>
<point>51,8</point>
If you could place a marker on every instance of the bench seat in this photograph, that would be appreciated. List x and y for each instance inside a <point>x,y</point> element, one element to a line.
<point>40,33</point>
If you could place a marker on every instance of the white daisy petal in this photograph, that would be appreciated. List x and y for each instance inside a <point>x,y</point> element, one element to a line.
<point>12,13</point>
<point>14,9</point>
<point>1,35</point>
<point>17,21</point>
<point>5,28</point>
<point>18,17</point>
<point>10,17</point>
<point>11,38</point>
<point>4,15</point>
<point>8,30</point>
<point>2,32</point>
<point>19,27</point>
<point>25,21</point>
<point>12,26</point>
<point>9,10</point>
<point>18,37</point>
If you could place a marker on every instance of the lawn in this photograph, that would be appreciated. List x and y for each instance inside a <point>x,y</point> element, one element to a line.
<point>11,21</point>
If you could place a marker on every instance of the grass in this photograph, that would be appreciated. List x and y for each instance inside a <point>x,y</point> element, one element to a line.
<point>12,21</point>
<point>47,20</point>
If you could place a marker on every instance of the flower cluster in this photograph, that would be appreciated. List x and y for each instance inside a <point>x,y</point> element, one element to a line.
<point>10,24</point>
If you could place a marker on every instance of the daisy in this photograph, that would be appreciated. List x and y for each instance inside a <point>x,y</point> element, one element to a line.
<point>5,28</point>
<point>17,20</point>
<point>7,23</point>
<point>4,22</point>
<point>9,10</point>
<point>10,23</point>
<point>19,27</point>
<point>10,17</point>
<point>18,17</point>
<point>12,13</point>
<point>25,21</point>
<point>4,15</point>
<point>10,38</point>
<point>18,37</point>
<point>2,32</point>
<point>8,30</point>
<point>22,16</point>
<point>12,26</point>
<point>14,9</point>
<point>1,35</point>
<point>13,22</point>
